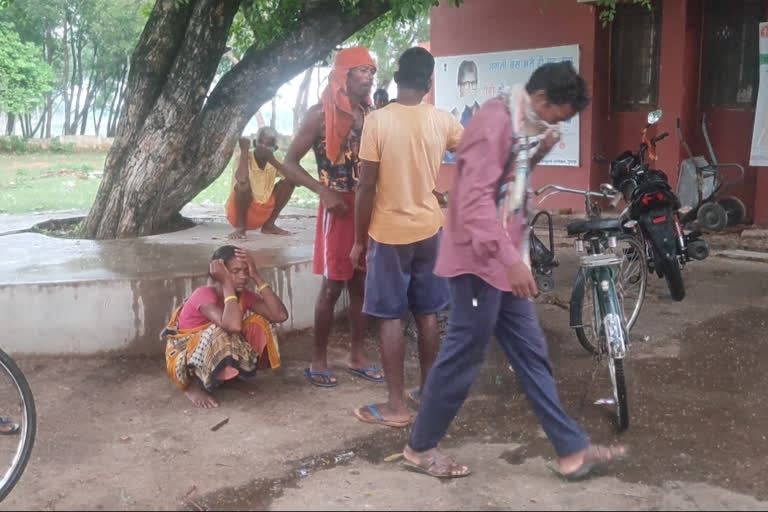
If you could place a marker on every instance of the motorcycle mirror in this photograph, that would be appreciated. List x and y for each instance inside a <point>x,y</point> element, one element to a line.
<point>608,189</point>
<point>654,116</point>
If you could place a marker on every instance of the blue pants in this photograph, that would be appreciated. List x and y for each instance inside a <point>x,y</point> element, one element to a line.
<point>400,278</point>
<point>462,354</point>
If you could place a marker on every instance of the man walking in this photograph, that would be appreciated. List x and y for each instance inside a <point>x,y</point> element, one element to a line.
<point>483,255</point>
<point>396,207</point>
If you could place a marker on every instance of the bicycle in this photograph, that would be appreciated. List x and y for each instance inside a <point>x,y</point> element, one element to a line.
<point>18,422</point>
<point>612,267</point>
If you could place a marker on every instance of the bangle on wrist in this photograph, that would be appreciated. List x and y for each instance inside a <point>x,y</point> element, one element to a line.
<point>263,287</point>
<point>231,297</point>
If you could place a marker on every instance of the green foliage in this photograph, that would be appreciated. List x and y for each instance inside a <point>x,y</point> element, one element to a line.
<point>262,22</point>
<point>24,77</point>
<point>17,145</point>
<point>608,9</point>
<point>387,39</point>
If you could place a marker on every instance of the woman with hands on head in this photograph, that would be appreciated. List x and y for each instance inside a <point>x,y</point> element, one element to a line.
<point>223,331</point>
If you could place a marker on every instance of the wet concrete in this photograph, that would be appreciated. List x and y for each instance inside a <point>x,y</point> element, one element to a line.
<point>697,405</point>
<point>116,295</point>
<point>35,258</point>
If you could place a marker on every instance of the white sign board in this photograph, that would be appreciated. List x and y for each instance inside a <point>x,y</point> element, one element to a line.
<point>464,82</point>
<point>759,153</point>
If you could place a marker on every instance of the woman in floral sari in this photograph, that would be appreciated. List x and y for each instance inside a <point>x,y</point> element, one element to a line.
<point>223,331</point>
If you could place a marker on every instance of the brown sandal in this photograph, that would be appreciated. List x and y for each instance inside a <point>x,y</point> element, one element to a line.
<point>597,456</point>
<point>437,465</point>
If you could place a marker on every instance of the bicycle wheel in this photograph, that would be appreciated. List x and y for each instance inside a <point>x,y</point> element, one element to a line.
<point>631,282</point>
<point>616,369</point>
<point>18,424</point>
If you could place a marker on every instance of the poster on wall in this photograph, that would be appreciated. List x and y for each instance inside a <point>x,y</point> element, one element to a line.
<point>759,154</point>
<point>464,82</point>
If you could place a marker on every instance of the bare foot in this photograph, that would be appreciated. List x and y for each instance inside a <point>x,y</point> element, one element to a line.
<point>238,234</point>
<point>200,397</point>
<point>434,463</point>
<point>271,229</point>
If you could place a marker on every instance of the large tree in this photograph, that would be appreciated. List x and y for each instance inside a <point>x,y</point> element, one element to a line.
<point>175,133</point>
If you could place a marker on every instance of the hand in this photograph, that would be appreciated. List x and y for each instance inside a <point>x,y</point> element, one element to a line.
<point>246,258</point>
<point>245,144</point>
<point>521,280</point>
<point>357,256</point>
<point>220,273</point>
<point>551,137</point>
<point>333,201</point>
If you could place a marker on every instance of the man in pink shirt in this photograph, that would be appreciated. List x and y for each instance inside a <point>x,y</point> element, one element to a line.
<point>483,253</point>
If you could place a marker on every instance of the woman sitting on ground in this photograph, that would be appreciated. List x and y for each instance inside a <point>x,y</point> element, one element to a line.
<point>223,331</point>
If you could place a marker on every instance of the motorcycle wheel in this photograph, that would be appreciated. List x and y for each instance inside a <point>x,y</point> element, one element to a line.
<point>735,210</point>
<point>674,276</point>
<point>712,216</point>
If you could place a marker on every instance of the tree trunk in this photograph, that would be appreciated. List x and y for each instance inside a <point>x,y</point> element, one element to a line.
<point>67,97</point>
<point>119,107</point>
<point>78,61</point>
<point>49,101</point>
<point>171,143</point>
<point>273,119</point>
<point>10,125</point>
<point>302,98</point>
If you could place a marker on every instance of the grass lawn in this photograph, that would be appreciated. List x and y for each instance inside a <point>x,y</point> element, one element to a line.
<point>38,182</point>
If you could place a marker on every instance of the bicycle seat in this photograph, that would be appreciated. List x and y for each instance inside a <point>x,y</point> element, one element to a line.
<point>595,224</point>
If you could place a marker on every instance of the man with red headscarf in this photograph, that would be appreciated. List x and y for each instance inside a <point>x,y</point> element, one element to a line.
<point>332,129</point>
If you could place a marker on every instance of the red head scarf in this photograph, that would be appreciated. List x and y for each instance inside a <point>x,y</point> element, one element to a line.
<point>339,116</point>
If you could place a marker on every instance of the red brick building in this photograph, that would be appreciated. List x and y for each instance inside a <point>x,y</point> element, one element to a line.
<point>687,57</point>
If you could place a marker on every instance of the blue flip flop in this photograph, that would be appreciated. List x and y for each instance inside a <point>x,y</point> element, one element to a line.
<point>309,374</point>
<point>363,373</point>
<point>377,419</point>
<point>5,421</point>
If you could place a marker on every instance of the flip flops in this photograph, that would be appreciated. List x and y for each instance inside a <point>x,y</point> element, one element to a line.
<point>5,422</point>
<point>414,395</point>
<point>363,373</point>
<point>378,419</point>
<point>309,374</point>
<point>592,461</point>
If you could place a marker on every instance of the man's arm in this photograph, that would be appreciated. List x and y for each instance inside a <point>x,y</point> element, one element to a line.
<point>301,144</point>
<point>366,193</point>
<point>296,174</point>
<point>241,173</point>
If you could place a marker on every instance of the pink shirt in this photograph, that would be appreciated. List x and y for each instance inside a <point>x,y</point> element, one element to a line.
<point>474,241</point>
<point>191,317</point>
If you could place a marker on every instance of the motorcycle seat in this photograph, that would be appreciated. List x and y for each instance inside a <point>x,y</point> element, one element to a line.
<point>595,224</point>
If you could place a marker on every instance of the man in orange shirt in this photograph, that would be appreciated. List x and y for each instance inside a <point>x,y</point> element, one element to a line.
<point>398,214</point>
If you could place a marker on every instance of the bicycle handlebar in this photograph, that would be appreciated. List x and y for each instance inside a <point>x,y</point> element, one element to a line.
<point>558,188</point>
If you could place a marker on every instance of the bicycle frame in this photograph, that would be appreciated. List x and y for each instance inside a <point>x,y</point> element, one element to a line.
<point>602,269</point>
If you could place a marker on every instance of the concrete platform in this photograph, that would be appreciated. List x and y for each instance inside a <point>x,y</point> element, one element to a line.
<point>62,296</point>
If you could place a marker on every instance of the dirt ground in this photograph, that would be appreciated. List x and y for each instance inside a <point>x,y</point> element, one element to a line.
<point>115,434</point>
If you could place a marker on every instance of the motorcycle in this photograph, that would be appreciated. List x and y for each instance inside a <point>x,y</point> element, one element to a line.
<point>654,212</point>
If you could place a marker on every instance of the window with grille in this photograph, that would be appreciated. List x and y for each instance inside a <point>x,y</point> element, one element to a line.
<point>730,53</point>
<point>635,49</point>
